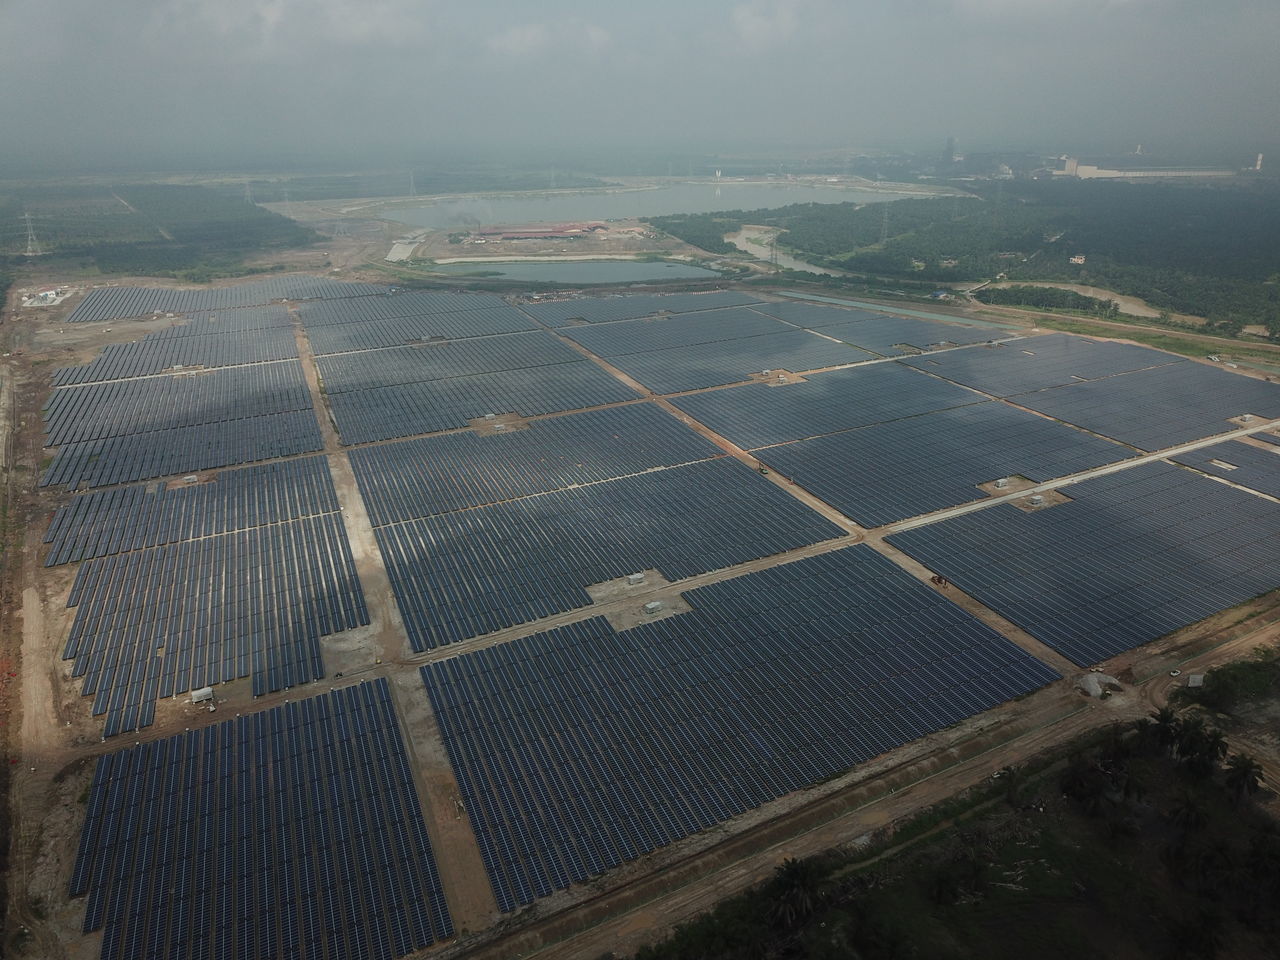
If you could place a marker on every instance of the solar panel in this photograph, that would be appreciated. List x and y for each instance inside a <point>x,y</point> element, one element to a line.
<point>412,408</point>
<point>408,303</point>
<point>472,572</point>
<point>893,336</point>
<point>659,333</point>
<point>130,518</point>
<point>730,361</point>
<point>397,331</point>
<point>1037,363</point>
<point>163,620</point>
<point>582,748</point>
<point>228,840</point>
<point>454,358</point>
<point>1155,409</point>
<point>558,313</point>
<point>1133,556</point>
<point>891,471</point>
<point>424,477</point>
<point>1255,467</point>
<point>812,315</point>
<point>155,354</point>
<point>110,303</point>
<point>757,415</point>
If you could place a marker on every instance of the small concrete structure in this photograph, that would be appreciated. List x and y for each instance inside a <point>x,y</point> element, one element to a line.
<point>203,695</point>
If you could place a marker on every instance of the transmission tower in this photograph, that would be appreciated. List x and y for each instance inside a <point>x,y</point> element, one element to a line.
<point>773,250</point>
<point>33,245</point>
<point>248,193</point>
<point>413,183</point>
<point>884,222</point>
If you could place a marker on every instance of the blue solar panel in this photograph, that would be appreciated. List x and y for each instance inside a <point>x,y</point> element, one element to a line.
<point>167,619</point>
<point>1255,467</point>
<point>730,361</point>
<point>1156,409</point>
<point>581,748</point>
<point>558,313</point>
<point>894,336</point>
<point>758,415</point>
<point>1135,555</point>
<point>891,471</point>
<point>108,303</point>
<point>813,315</point>
<point>226,840</point>
<point>1039,362</point>
<point>407,409</point>
<point>660,333</point>
<point>431,475</point>
<point>469,573</point>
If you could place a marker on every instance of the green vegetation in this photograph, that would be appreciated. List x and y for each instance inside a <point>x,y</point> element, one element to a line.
<point>1147,843</point>
<point>1208,251</point>
<point>704,230</point>
<point>1048,298</point>
<point>1233,685</point>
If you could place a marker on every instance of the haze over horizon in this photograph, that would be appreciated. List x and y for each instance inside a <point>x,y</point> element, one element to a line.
<point>173,82</point>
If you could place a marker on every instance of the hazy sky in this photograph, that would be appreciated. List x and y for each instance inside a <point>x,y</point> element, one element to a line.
<point>219,78</point>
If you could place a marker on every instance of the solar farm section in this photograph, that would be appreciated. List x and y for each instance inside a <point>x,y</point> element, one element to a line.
<point>495,597</point>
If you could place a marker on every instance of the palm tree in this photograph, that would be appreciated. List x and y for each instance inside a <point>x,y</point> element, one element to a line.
<point>1166,728</point>
<point>797,891</point>
<point>1244,776</point>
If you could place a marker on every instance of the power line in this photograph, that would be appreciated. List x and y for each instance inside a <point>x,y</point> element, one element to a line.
<point>33,245</point>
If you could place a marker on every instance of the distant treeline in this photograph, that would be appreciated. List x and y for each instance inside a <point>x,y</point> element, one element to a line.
<point>1047,298</point>
<point>194,233</point>
<point>1209,251</point>
<point>420,182</point>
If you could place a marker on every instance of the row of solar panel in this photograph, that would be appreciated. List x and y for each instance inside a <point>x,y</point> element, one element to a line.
<point>397,331</point>
<point>130,518</point>
<point>903,336</point>
<point>109,303</point>
<point>1159,408</point>
<point>730,361</point>
<point>580,748</point>
<point>660,333</point>
<point>1133,556</point>
<point>118,408</point>
<point>293,832</point>
<point>370,370</point>
<point>468,573</point>
<point>407,303</point>
<point>757,415</point>
<point>163,453</point>
<point>431,475</point>
<point>1255,467</point>
<point>141,358</point>
<point>409,409</point>
<point>890,471</point>
<point>168,619</point>
<point>559,313</point>
<point>240,320</point>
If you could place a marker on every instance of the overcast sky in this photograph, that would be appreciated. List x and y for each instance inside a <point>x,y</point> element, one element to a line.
<point>227,78</point>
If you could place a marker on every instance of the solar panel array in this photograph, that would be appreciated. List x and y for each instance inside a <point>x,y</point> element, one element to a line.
<point>130,518</point>
<point>559,313</point>
<point>152,355</point>
<point>1040,362</point>
<point>397,331</point>
<point>123,430</point>
<point>116,408</point>
<point>455,358</point>
<point>413,408</point>
<point>424,477</point>
<point>295,832</point>
<point>407,303</point>
<point>730,361</point>
<point>110,303</point>
<point>162,453</point>
<point>1255,467</point>
<point>469,573</point>
<point>1156,409</point>
<point>581,748</point>
<point>757,415</point>
<point>1134,556</point>
<point>237,320</point>
<point>814,316</point>
<point>886,335</point>
<point>891,471</point>
<point>164,620</point>
<point>636,336</point>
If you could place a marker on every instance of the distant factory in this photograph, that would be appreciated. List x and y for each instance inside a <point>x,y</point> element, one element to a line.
<point>1134,167</point>
<point>548,231</point>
